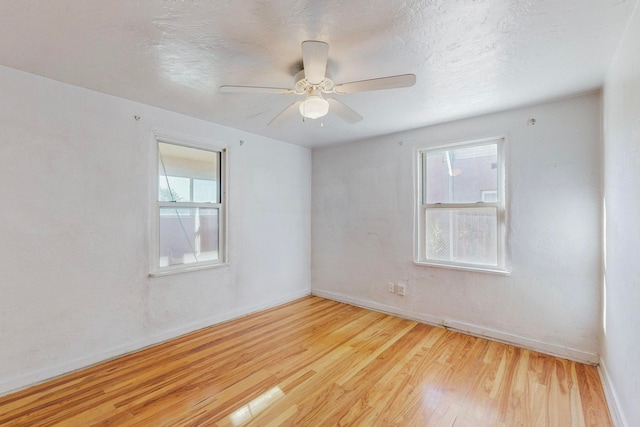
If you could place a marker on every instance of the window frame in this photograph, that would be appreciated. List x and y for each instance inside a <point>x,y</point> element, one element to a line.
<point>155,269</point>
<point>420,252</point>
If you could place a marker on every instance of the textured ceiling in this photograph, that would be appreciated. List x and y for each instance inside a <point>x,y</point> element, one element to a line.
<point>469,56</point>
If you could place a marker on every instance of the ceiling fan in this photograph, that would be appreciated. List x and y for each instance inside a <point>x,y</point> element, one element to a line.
<point>312,82</point>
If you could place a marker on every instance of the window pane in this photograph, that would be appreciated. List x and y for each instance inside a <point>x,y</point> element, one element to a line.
<point>188,174</point>
<point>174,189</point>
<point>189,235</point>
<point>204,190</point>
<point>462,235</point>
<point>461,175</point>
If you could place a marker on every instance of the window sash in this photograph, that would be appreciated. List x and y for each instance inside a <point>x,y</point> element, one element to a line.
<point>497,205</point>
<point>481,249</point>
<point>453,184</point>
<point>189,205</point>
<point>191,236</point>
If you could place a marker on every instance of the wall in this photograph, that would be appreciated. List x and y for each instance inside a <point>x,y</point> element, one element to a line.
<point>362,230</point>
<point>620,344</point>
<point>75,191</point>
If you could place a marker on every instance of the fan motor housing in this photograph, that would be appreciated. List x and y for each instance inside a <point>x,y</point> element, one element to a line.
<point>303,86</point>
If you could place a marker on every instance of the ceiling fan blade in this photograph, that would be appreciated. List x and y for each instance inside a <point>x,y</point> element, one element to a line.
<point>344,112</point>
<point>286,114</point>
<point>314,59</point>
<point>391,82</point>
<point>256,89</point>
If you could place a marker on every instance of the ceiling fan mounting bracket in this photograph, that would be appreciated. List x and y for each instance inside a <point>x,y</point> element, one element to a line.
<point>303,86</point>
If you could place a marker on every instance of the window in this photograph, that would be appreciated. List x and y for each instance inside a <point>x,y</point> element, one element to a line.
<point>461,207</point>
<point>190,208</point>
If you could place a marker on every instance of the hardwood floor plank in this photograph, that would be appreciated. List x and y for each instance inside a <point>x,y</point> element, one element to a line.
<point>318,362</point>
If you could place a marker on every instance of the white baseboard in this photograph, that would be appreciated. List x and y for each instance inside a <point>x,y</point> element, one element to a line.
<point>612,397</point>
<point>524,342</point>
<point>382,308</point>
<point>34,377</point>
<point>467,328</point>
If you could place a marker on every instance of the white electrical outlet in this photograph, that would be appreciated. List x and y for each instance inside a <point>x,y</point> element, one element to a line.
<point>392,287</point>
<point>401,289</point>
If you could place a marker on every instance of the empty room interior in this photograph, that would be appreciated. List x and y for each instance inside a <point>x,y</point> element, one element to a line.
<point>320,213</point>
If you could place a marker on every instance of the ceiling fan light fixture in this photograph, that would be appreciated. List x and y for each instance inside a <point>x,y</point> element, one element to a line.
<point>315,106</point>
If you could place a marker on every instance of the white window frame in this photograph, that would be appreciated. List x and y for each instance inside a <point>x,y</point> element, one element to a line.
<point>155,269</point>
<point>421,207</point>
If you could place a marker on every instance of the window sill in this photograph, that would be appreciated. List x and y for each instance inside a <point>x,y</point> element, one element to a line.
<point>162,273</point>
<point>464,268</point>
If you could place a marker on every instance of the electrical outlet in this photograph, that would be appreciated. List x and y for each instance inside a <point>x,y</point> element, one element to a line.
<point>392,287</point>
<point>401,289</point>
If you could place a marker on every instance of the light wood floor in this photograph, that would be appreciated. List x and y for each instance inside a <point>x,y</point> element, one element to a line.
<point>315,362</point>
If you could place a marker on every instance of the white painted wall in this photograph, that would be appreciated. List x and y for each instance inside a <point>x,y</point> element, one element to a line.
<point>621,336</point>
<point>74,215</point>
<point>362,229</point>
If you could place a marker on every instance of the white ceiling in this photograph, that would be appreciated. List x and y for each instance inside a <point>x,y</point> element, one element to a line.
<point>470,56</point>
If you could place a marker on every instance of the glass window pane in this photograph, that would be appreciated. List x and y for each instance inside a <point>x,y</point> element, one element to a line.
<point>188,174</point>
<point>189,235</point>
<point>462,235</point>
<point>174,189</point>
<point>461,175</point>
<point>204,190</point>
